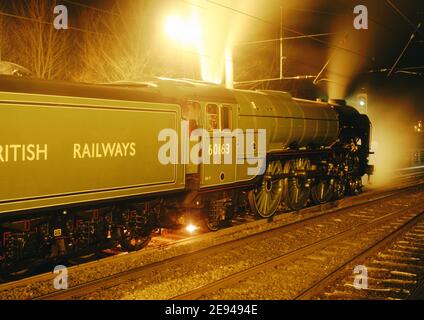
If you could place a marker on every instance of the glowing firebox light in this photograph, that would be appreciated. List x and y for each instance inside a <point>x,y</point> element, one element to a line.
<point>191,228</point>
<point>184,31</point>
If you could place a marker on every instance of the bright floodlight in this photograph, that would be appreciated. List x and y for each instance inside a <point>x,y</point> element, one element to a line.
<point>183,31</point>
<point>362,103</point>
<point>173,26</point>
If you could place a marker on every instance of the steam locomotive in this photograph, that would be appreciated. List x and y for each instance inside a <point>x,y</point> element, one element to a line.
<point>80,170</point>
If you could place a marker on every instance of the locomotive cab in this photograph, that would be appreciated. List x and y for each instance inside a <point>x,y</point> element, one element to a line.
<point>211,145</point>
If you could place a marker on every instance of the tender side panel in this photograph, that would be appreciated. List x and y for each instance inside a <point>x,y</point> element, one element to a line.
<point>62,150</point>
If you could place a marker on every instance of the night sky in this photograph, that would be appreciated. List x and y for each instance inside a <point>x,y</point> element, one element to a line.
<point>375,49</point>
<point>388,31</point>
<point>357,56</point>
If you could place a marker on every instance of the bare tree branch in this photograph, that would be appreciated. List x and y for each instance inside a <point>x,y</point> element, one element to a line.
<point>36,45</point>
<point>120,49</point>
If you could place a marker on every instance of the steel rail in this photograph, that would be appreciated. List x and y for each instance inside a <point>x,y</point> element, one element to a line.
<point>291,256</point>
<point>370,250</point>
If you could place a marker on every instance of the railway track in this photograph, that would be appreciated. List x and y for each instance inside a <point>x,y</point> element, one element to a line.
<point>309,249</point>
<point>378,218</point>
<point>395,269</point>
<point>406,174</point>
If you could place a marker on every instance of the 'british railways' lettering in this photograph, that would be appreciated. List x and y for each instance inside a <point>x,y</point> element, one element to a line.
<point>23,152</point>
<point>104,150</point>
<point>39,152</point>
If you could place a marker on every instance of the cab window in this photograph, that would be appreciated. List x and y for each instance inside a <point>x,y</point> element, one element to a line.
<point>212,113</point>
<point>191,112</point>
<point>218,117</point>
<point>225,117</point>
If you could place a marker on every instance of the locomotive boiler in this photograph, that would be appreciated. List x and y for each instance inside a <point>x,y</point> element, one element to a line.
<point>80,170</point>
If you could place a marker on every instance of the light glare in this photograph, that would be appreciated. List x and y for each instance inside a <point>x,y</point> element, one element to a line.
<point>184,31</point>
<point>191,228</point>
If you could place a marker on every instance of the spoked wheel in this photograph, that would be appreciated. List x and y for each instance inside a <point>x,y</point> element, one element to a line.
<point>322,192</point>
<point>265,200</point>
<point>135,242</point>
<point>220,212</point>
<point>297,188</point>
<point>212,225</point>
<point>339,189</point>
<point>136,229</point>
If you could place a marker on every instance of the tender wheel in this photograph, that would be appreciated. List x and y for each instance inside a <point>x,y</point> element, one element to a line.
<point>297,188</point>
<point>322,192</point>
<point>212,225</point>
<point>135,243</point>
<point>264,200</point>
<point>220,212</point>
<point>135,232</point>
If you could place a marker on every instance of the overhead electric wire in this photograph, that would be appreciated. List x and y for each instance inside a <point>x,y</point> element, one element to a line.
<point>241,12</point>
<point>327,44</point>
<point>91,7</point>
<point>288,38</point>
<point>401,13</point>
<point>300,34</point>
<point>404,49</point>
<point>405,17</point>
<point>328,62</point>
<point>290,30</point>
<point>412,68</point>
